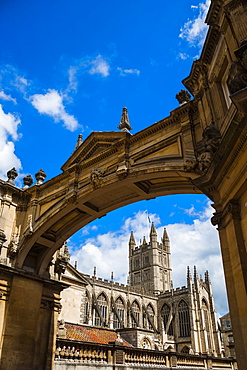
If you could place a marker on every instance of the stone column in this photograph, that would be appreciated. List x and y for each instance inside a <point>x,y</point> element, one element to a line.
<point>234,257</point>
<point>28,337</point>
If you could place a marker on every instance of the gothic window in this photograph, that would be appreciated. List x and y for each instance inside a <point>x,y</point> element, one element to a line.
<point>184,319</point>
<point>135,317</point>
<point>137,264</point>
<point>146,275</point>
<point>185,349</point>
<point>165,313</point>
<point>150,311</point>
<point>146,261</point>
<point>120,310</point>
<point>206,321</point>
<point>86,309</point>
<point>137,278</point>
<point>100,319</point>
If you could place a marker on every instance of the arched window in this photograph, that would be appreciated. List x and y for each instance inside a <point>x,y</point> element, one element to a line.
<point>150,312</point>
<point>184,319</point>
<point>135,316</point>
<point>206,321</point>
<point>100,318</point>
<point>86,309</point>
<point>119,306</point>
<point>165,313</point>
<point>185,349</point>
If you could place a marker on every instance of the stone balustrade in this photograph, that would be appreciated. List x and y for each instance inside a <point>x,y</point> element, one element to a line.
<point>69,351</point>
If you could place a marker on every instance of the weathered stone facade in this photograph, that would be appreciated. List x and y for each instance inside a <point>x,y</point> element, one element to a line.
<point>148,312</point>
<point>179,154</point>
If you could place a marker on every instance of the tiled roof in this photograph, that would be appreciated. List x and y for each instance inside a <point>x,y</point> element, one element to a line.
<point>226,315</point>
<point>91,334</point>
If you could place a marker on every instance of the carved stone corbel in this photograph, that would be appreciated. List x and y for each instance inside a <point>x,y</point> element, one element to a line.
<point>96,177</point>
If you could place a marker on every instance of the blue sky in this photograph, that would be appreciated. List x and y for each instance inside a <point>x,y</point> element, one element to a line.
<point>68,67</point>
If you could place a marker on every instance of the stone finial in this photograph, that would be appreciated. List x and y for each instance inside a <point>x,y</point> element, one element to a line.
<point>12,174</point>
<point>94,271</point>
<point>3,238</point>
<point>28,181</point>
<point>112,276</point>
<point>79,141</point>
<point>183,97</point>
<point>124,122</point>
<point>40,177</point>
<point>144,241</point>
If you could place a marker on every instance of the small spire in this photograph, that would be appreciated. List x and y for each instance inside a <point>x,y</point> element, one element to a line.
<point>195,273</point>
<point>188,273</point>
<point>124,122</point>
<point>79,141</point>
<point>112,277</point>
<point>207,278</point>
<point>165,236</point>
<point>153,230</point>
<point>94,271</point>
<point>144,241</point>
<point>132,242</point>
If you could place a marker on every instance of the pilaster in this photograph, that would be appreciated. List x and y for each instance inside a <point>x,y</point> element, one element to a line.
<point>235,267</point>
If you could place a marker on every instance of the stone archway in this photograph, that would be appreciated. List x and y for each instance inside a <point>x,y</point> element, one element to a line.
<point>201,147</point>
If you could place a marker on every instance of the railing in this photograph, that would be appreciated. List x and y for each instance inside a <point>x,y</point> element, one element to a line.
<point>115,354</point>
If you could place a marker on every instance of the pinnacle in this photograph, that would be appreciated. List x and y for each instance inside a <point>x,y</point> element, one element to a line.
<point>165,235</point>
<point>124,122</point>
<point>79,141</point>
<point>132,239</point>
<point>153,230</point>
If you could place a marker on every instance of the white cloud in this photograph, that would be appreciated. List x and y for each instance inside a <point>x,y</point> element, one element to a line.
<point>191,244</point>
<point>100,66</point>
<point>8,130</point>
<point>183,56</point>
<point>194,31</point>
<point>125,72</point>
<point>4,96</point>
<point>51,104</point>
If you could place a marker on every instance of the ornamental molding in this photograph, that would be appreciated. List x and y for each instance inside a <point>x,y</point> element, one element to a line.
<point>232,208</point>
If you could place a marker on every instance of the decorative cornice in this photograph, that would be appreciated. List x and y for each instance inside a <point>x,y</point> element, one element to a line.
<point>232,208</point>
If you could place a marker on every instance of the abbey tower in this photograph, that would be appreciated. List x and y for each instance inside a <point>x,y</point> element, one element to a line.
<point>149,264</point>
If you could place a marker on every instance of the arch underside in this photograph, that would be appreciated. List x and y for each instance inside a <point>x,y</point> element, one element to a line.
<point>63,218</point>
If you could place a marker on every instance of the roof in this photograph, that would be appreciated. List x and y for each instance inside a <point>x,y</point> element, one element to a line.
<point>91,334</point>
<point>225,316</point>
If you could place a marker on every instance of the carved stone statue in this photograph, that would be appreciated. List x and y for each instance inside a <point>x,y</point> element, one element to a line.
<point>206,148</point>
